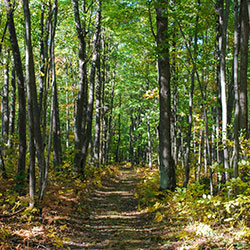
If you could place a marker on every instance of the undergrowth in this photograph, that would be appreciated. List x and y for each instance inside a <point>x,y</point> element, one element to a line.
<point>195,219</point>
<point>45,225</point>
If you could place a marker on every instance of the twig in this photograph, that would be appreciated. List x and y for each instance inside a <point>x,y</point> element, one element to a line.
<point>15,213</point>
<point>150,20</point>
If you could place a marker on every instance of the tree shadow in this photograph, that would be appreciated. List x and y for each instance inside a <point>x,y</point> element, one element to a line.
<point>114,221</point>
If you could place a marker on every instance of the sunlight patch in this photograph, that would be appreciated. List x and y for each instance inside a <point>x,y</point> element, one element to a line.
<point>34,232</point>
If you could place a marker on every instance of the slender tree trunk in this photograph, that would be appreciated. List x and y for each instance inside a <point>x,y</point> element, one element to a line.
<point>190,122</point>
<point>80,117</point>
<point>167,168</point>
<point>98,112</point>
<point>21,89</point>
<point>175,102</point>
<point>12,107</point>
<point>5,101</point>
<point>5,114</point>
<point>190,115</point>
<point>4,33</point>
<point>117,151</point>
<point>131,139</point>
<point>57,146</point>
<point>52,120</point>
<point>2,164</point>
<point>110,119</point>
<point>67,106</point>
<point>208,151</point>
<point>32,96</point>
<point>150,163</point>
<point>89,118</point>
<point>223,22</point>
<point>42,65</point>
<point>230,99</point>
<point>105,133</point>
<point>244,38</point>
<point>236,91</point>
<point>200,155</point>
<point>103,110</point>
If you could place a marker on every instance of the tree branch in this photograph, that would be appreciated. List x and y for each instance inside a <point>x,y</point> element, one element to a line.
<point>150,19</point>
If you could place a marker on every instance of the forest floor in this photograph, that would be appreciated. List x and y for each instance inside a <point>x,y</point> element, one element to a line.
<point>104,216</point>
<point>114,221</point>
<point>101,213</point>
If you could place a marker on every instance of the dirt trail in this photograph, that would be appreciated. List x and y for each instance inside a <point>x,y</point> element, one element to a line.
<point>114,221</point>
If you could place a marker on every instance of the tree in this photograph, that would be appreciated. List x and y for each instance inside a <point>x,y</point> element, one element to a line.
<point>223,24</point>
<point>80,119</point>
<point>95,59</point>
<point>236,90</point>
<point>167,168</point>
<point>244,38</point>
<point>34,118</point>
<point>21,89</point>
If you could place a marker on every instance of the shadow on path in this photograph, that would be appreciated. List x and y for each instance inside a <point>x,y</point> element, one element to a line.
<point>114,221</point>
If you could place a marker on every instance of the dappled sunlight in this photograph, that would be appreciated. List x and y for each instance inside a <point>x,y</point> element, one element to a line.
<point>107,193</point>
<point>114,221</point>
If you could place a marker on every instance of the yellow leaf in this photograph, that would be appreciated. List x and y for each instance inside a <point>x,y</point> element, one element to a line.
<point>158,217</point>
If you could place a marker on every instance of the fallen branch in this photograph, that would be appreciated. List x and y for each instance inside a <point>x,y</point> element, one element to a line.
<point>15,213</point>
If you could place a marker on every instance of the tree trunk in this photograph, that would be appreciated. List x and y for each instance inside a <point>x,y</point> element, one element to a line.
<point>131,139</point>
<point>21,89</point>
<point>97,112</point>
<point>2,164</point>
<point>57,146</point>
<point>190,110</point>
<point>236,91</point>
<point>223,22</point>
<point>32,97</point>
<point>188,138</point>
<point>167,168</point>
<point>12,107</point>
<point>175,103</point>
<point>5,101</point>
<point>80,118</point>
<point>200,154</point>
<point>67,105</point>
<point>42,66</point>
<point>89,118</point>
<point>244,37</point>
<point>110,119</point>
<point>117,151</point>
<point>150,163</point>
<point>5,114</point>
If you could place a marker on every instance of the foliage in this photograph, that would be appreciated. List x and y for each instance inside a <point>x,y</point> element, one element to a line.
<point>200,214</point>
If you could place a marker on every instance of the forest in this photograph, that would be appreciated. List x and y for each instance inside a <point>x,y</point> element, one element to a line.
<point>124,124</point>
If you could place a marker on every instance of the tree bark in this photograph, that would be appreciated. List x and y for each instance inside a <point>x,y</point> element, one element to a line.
<point>236,91</point>
<point>97,112</point>
<point>21,89</point>
<point>117,151</point>
<point>223,22</point>
<point>80,118</point>
<point>109,121</point>
<point>190,110</point>
<point>244,38</point>
<point>89,118</point>
<point>150,163</point>
<point>236,152</point>
<point>167,168</point>
<point>5,101</point>
<point>57,146</point>
<point>12,107</point>
<point>32,97</point>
